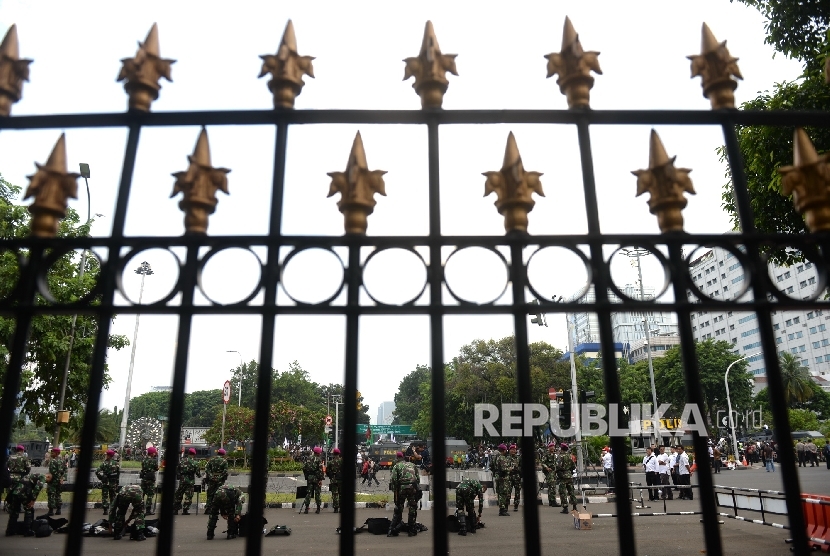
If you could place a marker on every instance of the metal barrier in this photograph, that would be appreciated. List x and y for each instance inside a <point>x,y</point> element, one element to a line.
<point>30,298</point>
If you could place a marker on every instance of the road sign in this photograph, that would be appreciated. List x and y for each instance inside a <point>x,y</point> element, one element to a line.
<point>328,420</point>
<point>226,392</point>
<point>552,393</point>
<point>386,429</point>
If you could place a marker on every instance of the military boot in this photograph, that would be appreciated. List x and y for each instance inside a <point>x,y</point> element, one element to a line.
<point>11,528</point>
<point>317,511</point>
<point>210,534</point>
<point>51,512</point>
<point>186,512</point>
<point>503,513</point>
<point>58,511</point>
<point>27,525</point>
<point>306,509</point>
<point>515,507</point>
<point>575,508</point>
<point>393,527</point>
<point>141,536</point>
<point>565,509</point>
<point>413,530</point>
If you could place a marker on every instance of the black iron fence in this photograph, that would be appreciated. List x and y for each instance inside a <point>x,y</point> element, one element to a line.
<point>36,253</point>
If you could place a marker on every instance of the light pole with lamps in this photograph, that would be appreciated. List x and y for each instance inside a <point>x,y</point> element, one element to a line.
<point>240,373</point>
<point>636,253</point>
<point>63,415</point>
<point>729,403</point>
<point>144,270</point>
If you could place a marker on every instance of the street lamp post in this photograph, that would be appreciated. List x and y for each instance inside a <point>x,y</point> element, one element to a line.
<point>144,270</point>
<point>729,403</point>
<point>63,416</point>
<point>240,373</point>
<point>637,253</point>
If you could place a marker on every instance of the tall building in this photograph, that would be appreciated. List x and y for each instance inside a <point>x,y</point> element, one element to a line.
<point>385,416</point>
<point>628,328</point>
<point>718,274</point>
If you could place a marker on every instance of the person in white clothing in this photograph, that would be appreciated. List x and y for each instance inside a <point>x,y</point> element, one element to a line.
<point>652,479</point>
<point>684,473</point>
<point>608,468</point>
<point>664,472</point>
<point>673,468</point>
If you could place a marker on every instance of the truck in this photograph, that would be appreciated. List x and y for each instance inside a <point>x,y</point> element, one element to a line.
<point>36,450</point>
<point>385,453</point>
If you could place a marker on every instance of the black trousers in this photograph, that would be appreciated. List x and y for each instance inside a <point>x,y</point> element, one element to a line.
<point>685,492</point>
<point>652,478</point>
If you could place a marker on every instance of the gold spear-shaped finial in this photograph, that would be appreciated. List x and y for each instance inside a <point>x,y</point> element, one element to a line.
<point>808,181</point>
<point>52,186</point>
<point>574,67</point>
<point>666,185</point>
<point>429,69</point>
<point>287,68</point>
<point>144,71</point>
<point>716,67</point>
<point>513,186</point>
<point>13,71</point>
<point>199,185</point>
<point>357,186</point>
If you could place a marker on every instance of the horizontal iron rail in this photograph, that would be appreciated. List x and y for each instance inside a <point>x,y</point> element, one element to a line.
<point>394,117</point>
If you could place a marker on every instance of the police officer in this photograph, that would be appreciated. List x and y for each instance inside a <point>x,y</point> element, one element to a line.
<point>334,471</point>
<point>549,469</point>
<point>465,497</point>
<point>149,468</point>
<point>186,474</point>
<point>216,473</point>
<point>406,487</point>
<point>108,473</point>
<point>129,495</point>
<point>564,475</point>
<point>57,468</point>
<point>22,495</point>
<point>313,470</point>
<point>227,501</point>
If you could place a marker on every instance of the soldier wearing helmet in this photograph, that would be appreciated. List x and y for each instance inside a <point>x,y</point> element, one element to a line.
<point>334,471</point>
<point>549,469</point>
<point>216,473</point>
<point>22,495</point>
<point>109,473</point>
<point>57,468</point>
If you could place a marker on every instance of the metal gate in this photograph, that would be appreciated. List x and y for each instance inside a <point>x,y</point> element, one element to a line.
<point>513,185</point>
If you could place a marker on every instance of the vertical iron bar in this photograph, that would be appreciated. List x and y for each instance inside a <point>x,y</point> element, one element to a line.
<point>518,278</point>
<point>625,523</point>
<point>259,466</point>
<point>354,280</point>
<point>694,396</point>
<point>440,541</point>
<point>187,284</point>
<point>109,281</point>
<point>760,288</point>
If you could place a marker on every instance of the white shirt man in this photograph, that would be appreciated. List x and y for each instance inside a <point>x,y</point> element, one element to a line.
<point>664,472</point>
<point>684,473</point>
<point>608,467</point>
<point>650,467</point>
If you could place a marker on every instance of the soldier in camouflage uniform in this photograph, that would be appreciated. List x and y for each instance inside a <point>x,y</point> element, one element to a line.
<point>564,475</point>
<point>514,477</point>
<point>313,470</point>
<point>549,469</point>
<point>501,476</point>
<point>149,468</point>
<point>228,501</point>
<point>128,495</point>
<point>465,497</point>
<point>57,468</point>
<point>216,473</point>
<point>108,473</point>
<point>405,484</point>
<point>19,466</point>
<point>22,496</point>
<point>186,473</point>
<point>334,472</point>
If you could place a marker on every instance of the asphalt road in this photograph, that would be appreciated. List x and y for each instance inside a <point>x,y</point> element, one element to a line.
<point>315,534</point>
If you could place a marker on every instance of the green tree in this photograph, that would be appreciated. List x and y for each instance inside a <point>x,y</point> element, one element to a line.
<point>408,397</point>
<point>295,386</point>
<point>150,404</point>
<point>802,420</point>
<point>202,407</point>
<point>800,31</point>
<point>795,379</point>
<point>49,338</point>
<point>818,403</point>
<point>239,426</point>
<point>248,375</point>
<point>713,358</point>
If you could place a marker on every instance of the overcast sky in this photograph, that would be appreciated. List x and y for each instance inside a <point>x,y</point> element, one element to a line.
<point>359,48</point>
